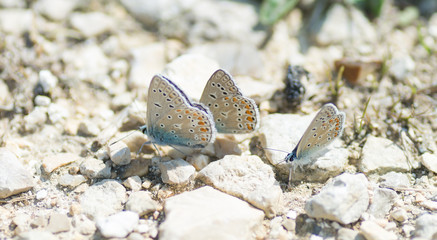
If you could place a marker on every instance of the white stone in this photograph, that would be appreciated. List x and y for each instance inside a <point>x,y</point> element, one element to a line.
<point>399,215</point>
<point>56,9</point>
<point>429,160</point>
<point>118,225</point>
<point>58,222</point>
<point>133,183</point>
<point>55,161</point>
<point>146,62</point>
<point>57,112</point>
<point>15,21</point>
<point>41,100</point>
<point>41,194</point>
<point>372,231</point>
<point>283,132</point>
<point>36,235</point>
<point>343,199</point>
<point>95,168</point>
<point>248,178</point>
<point>402,65</point>
<point>47,81</point>
<point>426,226</point>
<point>347,234</point>
<point>103,199</point>
<point>14,178</point>
<point>141,203</point>
<point>119,153</point>
<point>382,201</point>
<point>72,181</point>
<point>35,119</point>
<point>395,180</point>
<point>100,23</point>
<point>191,72</point>
<point>199,161</point>
<point>382,155</point>
<point>177,172</point>
<point>207,213</point>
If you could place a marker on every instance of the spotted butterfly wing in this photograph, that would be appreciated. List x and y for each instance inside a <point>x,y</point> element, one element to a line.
<point>173,120</point>
<point>326,126</point>
<point>233,112</point>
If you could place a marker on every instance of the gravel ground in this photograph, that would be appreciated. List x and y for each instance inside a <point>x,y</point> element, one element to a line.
<point>74,76</point>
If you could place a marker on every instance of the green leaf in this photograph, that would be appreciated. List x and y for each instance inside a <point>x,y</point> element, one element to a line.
<point>273,10</point>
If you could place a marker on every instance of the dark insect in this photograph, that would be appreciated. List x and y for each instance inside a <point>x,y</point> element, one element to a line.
<point>294,90</point>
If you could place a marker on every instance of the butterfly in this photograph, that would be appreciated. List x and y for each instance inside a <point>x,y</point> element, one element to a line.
<point>172,119</point>
<point>233,112</point>
<point>326,126</point>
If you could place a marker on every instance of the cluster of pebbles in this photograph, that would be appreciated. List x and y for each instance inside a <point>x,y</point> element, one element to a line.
<point>74,76</point>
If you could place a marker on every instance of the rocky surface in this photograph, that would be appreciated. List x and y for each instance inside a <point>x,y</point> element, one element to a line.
<point>74,77</point>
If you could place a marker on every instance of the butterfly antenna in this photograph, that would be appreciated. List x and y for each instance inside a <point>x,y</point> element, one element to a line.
<point>132,131</point>
<point>272,149</point>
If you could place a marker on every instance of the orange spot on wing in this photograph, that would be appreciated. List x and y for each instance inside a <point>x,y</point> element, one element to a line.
<point>187,111</point>
<point>179,110</point>
<point>201,123</point>
<point>234,99</point>
<point>247,106</point>
<point>203,129</point>
<point>248,112</point>
<point>226,98</point>
<point>250,119</point>
<point>203,139</point>
<point>249,126</point>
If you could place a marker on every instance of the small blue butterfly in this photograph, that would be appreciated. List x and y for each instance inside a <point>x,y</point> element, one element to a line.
<point>233,112</point>
<point>326,126</point>
<point>173,120</point>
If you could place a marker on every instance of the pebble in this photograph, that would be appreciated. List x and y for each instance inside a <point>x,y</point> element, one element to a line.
<point>36,235</point>
<point>199,161</point>
<point>399,215</point>
<point>42,101</point>
<point>402,66</point>
<point>382,201</point>
<point>95,168</point>
<point>177,172</point>
<point>348,234</point>
<point>58,112</point>
<point>344,199</point>
<point>143,67</point>
<point>14,178</point>
<point>118,225</point>
<point>58,222</point>
<point>71,181</point>
<point>88,128</point>
<point>207,213</point>
<point>133,183</point>
<point>191,72</point>
<point>47,81</point>
<point>12,3</point>
<point>55,161</point>
<point>100,23</point>
<point>246,177</point>
<point>41,194</point>
<point>56,9</point>
<point>429,160</point>
<point>225,146</point>
<point>119,153</point>
<point>141,203</point>
<point>395,180</point>
<point>342,25</point>
<point>35,119</point>
<point>103,199</point>
<point>431,205</point>
<point>372,231</point>
<point>137,167</point>
<point>382,155</point>
<point>15,21</point>
<point>84,225</point>
<point>283,132</point>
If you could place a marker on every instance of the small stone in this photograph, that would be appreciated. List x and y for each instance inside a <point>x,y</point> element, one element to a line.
<point>84,225</point>
<point>101,23</point>
<point>58,112</point>
<point>118,225</point>
<point>431,205</point>
<point>88,128</point>
<point>344,199</point>
<point>94,168</point>
<point>291,214</point>
<point>382,155</point>
<point>119,153</point>
<point>141,203</point>
<point>41,194</point>
<point>199,161</point>
<point>402,65</point>
<point>14,178</point>
<point>39,221</point>
<point>43,101</point>
<point>399,215</point>
<point>395,180</point>
<point>382,202</point>
<point>215,213</point>
<point>47,81</point>
<point>246,177</point>
<point>133,183</point>
<point>177,172</point>
<point>137,167</point>
<point>71,181</point>
<point>58,222</point>
<point>15,21</point>
<point>429,160</point>
<point>146,184</point>
<point>56,9</point>
<point>75,209</point>
<point>36,235</point>
<point>224,146</point>
<point>348,234</point>
<point>58,160</point>
<point>103,199</point>
<point>35,119</point>
<point>289,224</point>
<point>373,231</point>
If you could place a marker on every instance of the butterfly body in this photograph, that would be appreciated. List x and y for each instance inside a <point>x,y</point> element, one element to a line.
<point>233,112</point>
<point>172,119</point>
<point>326,126</point>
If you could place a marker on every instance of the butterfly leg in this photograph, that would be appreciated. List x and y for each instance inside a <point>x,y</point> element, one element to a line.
<point>289,179</point>
<point>149,142</point>
<point>178,149</point>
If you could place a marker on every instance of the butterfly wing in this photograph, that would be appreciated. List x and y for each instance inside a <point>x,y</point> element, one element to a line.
<point>173,119</point>
<point>233,112</point>
<point>326,126</point>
